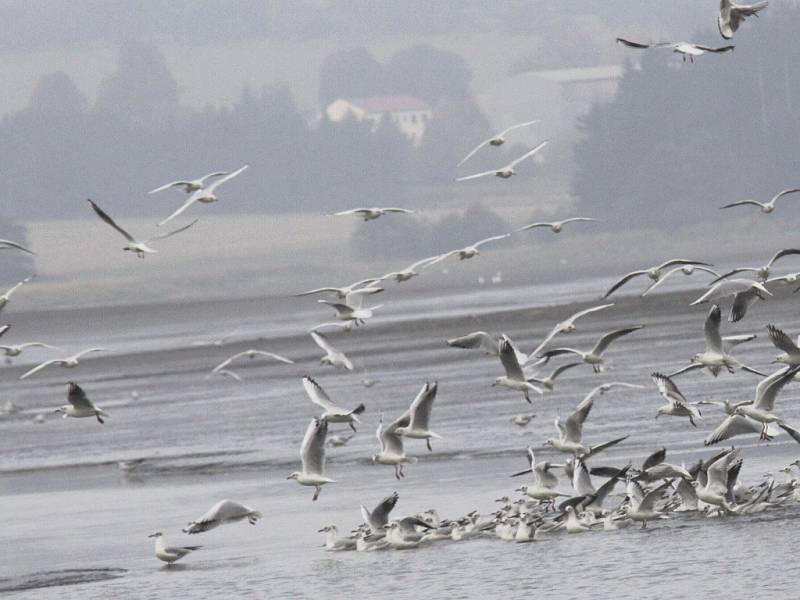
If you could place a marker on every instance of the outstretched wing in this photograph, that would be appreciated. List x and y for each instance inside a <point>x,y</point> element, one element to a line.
<point>77,397</point>
<point>312,451</point>
<point>743,203</point>
<point>171,233</point>
<point>508,357</point>
<point>102,214</point>
<point>514,163</point>
<point>209,189</point>
<point>422,405</point>
<point>668,389</point>
<point>318,395</point>
<point>475,340</point>
<point>782,341</point>
<point>191,200</point>
<point>604,342</point>
<point>622,282</point>
<point>632,44</point>
<point>711,329</point>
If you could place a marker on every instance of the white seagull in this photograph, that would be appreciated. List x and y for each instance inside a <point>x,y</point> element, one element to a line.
<point>169,554</point>
<point>392,451</point>
<point>556,226</point>
<point>251,354</point>
<point>333,356</point>
<point>791,353</point>
<point>685,269</point>
<point>480,340</point>
<point>654,273</point>
<point>677,405</point>
<point>79,404</point>
<point>764,271</point>
<point>332,412</point>
<point>4,298</point>
<point>744,292</point>
<point>189,185</point>
<point>411,270</point>
<point>137,247</point>
<point>467,252</point>
<point>205,194</point>
<point>341,292</point>
<point>683,48</point>
<point>224,511</point>
<point>732,14</point>
<point>419,416</point>
<point>594,356</point>
<point>514,378</point>
<point>370,214</point>
<point>312,455</point>
<point>508,170</point>
<point>717,353</point>
<point>766,207</point>
<point>496,140</point>
<point>567,326</point>
<point>70,362</point>
<point>377,519</point>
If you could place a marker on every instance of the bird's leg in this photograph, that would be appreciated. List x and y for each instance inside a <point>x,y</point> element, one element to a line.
<point>402,474</point>
<point>428,442</point>
<point>527,397</point>
<point>353,427</point>
<point>316,493</point>
<point>396,472</point>
<point>644,524</point>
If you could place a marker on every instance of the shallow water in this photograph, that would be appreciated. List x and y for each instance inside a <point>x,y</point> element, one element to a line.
<point>79,525</point>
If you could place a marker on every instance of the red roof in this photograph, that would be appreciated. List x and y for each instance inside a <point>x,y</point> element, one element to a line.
<point>384,104</point>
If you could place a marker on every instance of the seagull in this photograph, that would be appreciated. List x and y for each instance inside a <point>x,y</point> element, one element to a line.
<point>555,226</point>
<point>332,413</point>
<point>508,170</point>
<point>766,207</point>
<point>732,14</point>
<point>791,353</point>
<point>377,519</point>
<point>740,422</point>
<point>205,194</point>
<point>419,415</point>
<point>717,353</point>
<point>251,353</point>
<point>333,356</point>
<point>480,340</point>
<point>79,405</point>
<point>568,326</point>
<point>496,140</point>
<point>644,510</point>
<point>8,244</point>
<point>169,554</point>
<point>190,185</point>
<point>514,378</point>
<point>341,292</point>
<point>336,441</point>
<point>594,356</point>
<point>571,432</point>
<point>715,491</point>
<point>744,292</point>
<point>134,245</point>
<point>370,214</point>
<point>392,452</point>
<point>761,409</point>
<point>11,350</point>
<point>411,270</point>
<point>354,314</point>
<point>686,270</point>
<point>467,252</point>
<point>224,511</point>
<point>70,362</point>
<point>683,48</point>
<point>677,405</point>
<point>762,272</point>
<point>4,298</point>
<point>334,544</point>
<point>544,483</point>
<point>522,420</point>
<point>653,273</point>
<point>312,455</point>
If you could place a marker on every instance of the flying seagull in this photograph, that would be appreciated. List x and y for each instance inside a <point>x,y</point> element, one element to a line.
<point>654,273</point>
<point>515,378</point>
<point>791,353</point>
<point>4,298</point>
<point>332,412</point>
<point>379,516</point>
<point>496,140</point>
<point>685,269</point>
<point>312,455</point>
<point>508,170</point>
<point>189,185</point>
<point>766,207</point>
<point>205,195</point>
<point>677,405</point>
<point>762,272</point>
<point>134,245</point>
<point>467,252</point>
<point>556,226</point>
<point>250,354</point>
<point>568,325</point>
<point>70,362</point>
<point>370,214</point>
<point>683,48</point>
<point>341,292</point>
<point>224,511</point>
<point>419,416</point>
<point>333,356</point>
<point>732,14</point>
<point>744,292</point>
<point>594,356</point>
<point>79,404</point>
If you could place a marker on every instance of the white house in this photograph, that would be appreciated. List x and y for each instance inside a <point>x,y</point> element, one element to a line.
<point>409,114</point>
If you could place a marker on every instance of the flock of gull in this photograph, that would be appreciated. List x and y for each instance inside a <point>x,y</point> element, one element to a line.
<point>576,494</point>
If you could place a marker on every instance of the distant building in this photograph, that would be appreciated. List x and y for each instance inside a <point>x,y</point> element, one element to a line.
<point>409,114</point>
<point>558,97</point>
